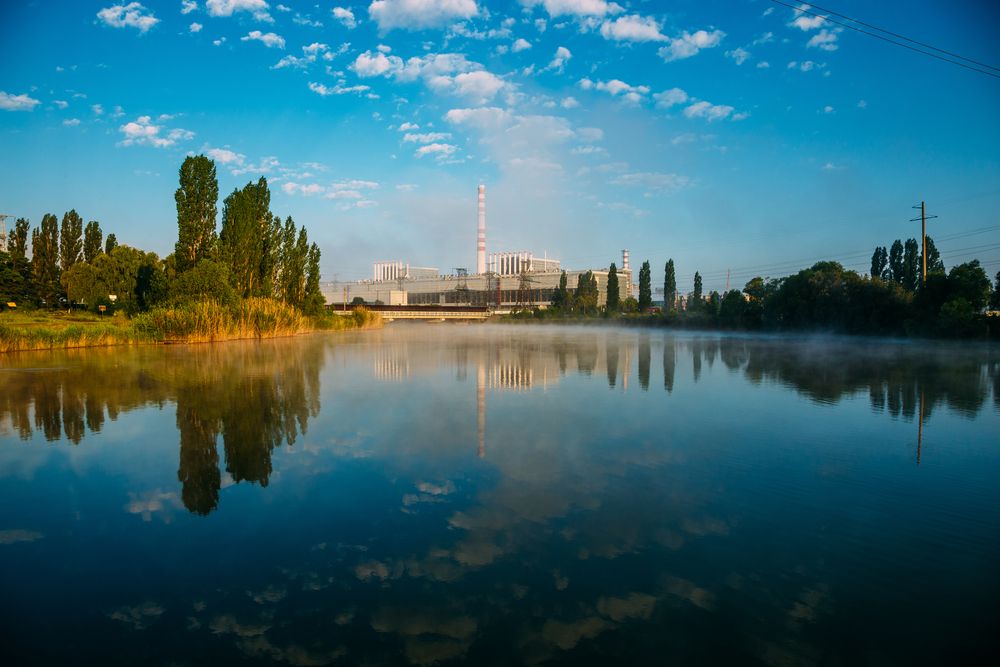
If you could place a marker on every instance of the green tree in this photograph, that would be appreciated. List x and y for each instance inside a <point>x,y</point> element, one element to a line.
<point>18,244</point>
<point>560,298</point>
<point>911,265</point>
<point>969,282</point>
<point>613,298</point>
<point>314,301</point>
<point>295,264</point>
<point>880,260</point>
<point>995,297</point>
<point>732,309</point>
<point>197,201</point>
<point>585,296</point>
<point>669,286</point>
<point>896,261</point>
<point>83,284</point>
<point>714,303</point>
<point>207,279</point>
<point>92,240</point>
<point>246,224</point>
<point>110,243</point>
<point>45,260</point>
<point>697,302</point>
<point>70,239</point>
<point>645,288</point>
<point>15,280</point>
<point>934,263</point>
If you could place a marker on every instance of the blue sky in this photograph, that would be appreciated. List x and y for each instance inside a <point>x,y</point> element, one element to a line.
<point>726,134</point>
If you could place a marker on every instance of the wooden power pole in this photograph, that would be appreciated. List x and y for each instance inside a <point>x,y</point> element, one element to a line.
<point>923,238</point>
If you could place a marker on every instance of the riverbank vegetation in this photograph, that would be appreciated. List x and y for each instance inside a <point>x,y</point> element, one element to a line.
<point>257,277</point>
<point>892,300</point>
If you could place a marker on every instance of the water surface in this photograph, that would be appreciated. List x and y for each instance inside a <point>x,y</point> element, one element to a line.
<point>439,494</point>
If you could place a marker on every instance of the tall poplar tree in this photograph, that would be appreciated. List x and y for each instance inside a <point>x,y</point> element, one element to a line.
<point>246,224</point>
<point>669,285</point>
<point>92,239</point>
<point>645,287</point>
<point>613,297</point>
<point>934,263</point>
<point>896,261</point>
<point>18,244</point>
<point>696,301</point>
<point>197,206</point>
<point>110,243</point>
<point>911,265</point>
<point>880,260</point>
<point>560,298</point>
<point>45,260</point>
<point>314,300</point>
<point>70,239</point>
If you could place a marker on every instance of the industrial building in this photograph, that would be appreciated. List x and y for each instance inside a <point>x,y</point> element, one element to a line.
<point>503,280</point>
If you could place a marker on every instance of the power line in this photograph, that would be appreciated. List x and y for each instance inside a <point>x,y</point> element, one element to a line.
<point>995,75</point>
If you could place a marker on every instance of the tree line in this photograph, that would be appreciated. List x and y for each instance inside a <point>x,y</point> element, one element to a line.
<point>893,299</point>
<point>254,254</point>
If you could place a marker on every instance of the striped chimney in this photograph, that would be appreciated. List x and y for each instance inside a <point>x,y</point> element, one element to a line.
<point>481,240</point>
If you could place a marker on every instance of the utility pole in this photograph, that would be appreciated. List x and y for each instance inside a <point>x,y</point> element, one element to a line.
<point>923,237</point>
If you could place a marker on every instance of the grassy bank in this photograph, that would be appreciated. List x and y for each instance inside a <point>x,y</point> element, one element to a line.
<point>196,322</point>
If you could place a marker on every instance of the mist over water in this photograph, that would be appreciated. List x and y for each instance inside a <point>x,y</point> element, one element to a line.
<point>444,494</point>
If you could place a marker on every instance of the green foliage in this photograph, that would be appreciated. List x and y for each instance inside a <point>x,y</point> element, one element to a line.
<point>630,305</point>
<point>560,298</point>
<point>585,296</point>
<point>669,286</point>
<point>83,284</point>
<point>245,235</point>
<point>16,284</point>
<point>196,199</point>
<point>92,239</point>
<point>880,261</point>
<point>206,280</point>
<point>732,309</point>
<point>110,243</point>
<point>70,239</point>
<point>995,297</point>
<point>45,260</point>
<point>934,263</point>
<point>18,244</point>
<point>314,301</point>
<point>696,303</point>
<point>613,298</point>
<point>896,262</point>
<point>911,265</point>
<point>645,288</point>
<point>969,282</point>
<point>714,303</point>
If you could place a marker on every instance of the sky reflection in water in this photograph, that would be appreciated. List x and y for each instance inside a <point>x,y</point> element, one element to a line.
<point>500,495</point>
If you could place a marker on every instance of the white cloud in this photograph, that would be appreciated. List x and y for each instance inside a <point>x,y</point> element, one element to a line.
<point>406,127</point>
<point>657,181</point>
<point>862,104</point>
<point>225,156</point>
<point>617,87</point>
<point>338,89</point>
<point>806,22</point>
<point>62,104</point>
<point>708,111</point>
<point>71,122</point>
<point>419,14</point>
<point>689,44</point>
<point>805,66</point>
<point>569,103</point>
<point>828,109</point>
<point>479,87</point>
<point>763,64</point>
<point>188,6</point>
<point>830,166</point>
<point>306,189</point>
<point>219,42</point>
<point>258,8</point>
<point>633,28</point>
<point>739,54</point>
<point>438,150</point>
<point>311,52</point>
<point>766,38</point>
<point>482,117</point>
<point>143,131</point>
<point>132,15</point>
<point>20,102</point>
<point>445,72</point>
<point>427,138</point>
<point>370,64</point>
<point>560,59</point>
<point>824,39</point>
<point>669,98</point>
<point>520,45</point>
<point>576,7</point>
<point>195,27</point>
<point>268,39</point>
<point>97,109</point>
<point>345,16</point>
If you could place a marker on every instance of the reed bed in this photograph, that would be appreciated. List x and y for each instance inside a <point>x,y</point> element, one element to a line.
<point>194,322</point>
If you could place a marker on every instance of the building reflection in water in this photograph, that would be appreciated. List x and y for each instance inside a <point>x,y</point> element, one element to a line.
<point>262,395</point>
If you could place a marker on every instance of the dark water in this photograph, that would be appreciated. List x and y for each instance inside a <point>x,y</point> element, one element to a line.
<point>435,494</point>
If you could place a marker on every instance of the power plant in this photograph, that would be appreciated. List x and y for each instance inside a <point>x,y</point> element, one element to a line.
<point>503,280</point>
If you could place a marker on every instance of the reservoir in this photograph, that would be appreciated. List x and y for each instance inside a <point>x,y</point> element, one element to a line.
<point>436,494</point>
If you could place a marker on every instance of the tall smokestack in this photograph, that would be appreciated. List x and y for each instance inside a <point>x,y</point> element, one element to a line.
<point>625,266</point>
<point>481,241</point>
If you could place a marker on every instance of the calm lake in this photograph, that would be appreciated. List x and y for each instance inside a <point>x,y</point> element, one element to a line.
<point>435,494</point>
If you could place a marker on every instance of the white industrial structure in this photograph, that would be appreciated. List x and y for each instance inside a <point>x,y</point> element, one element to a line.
<point>501,280</point>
